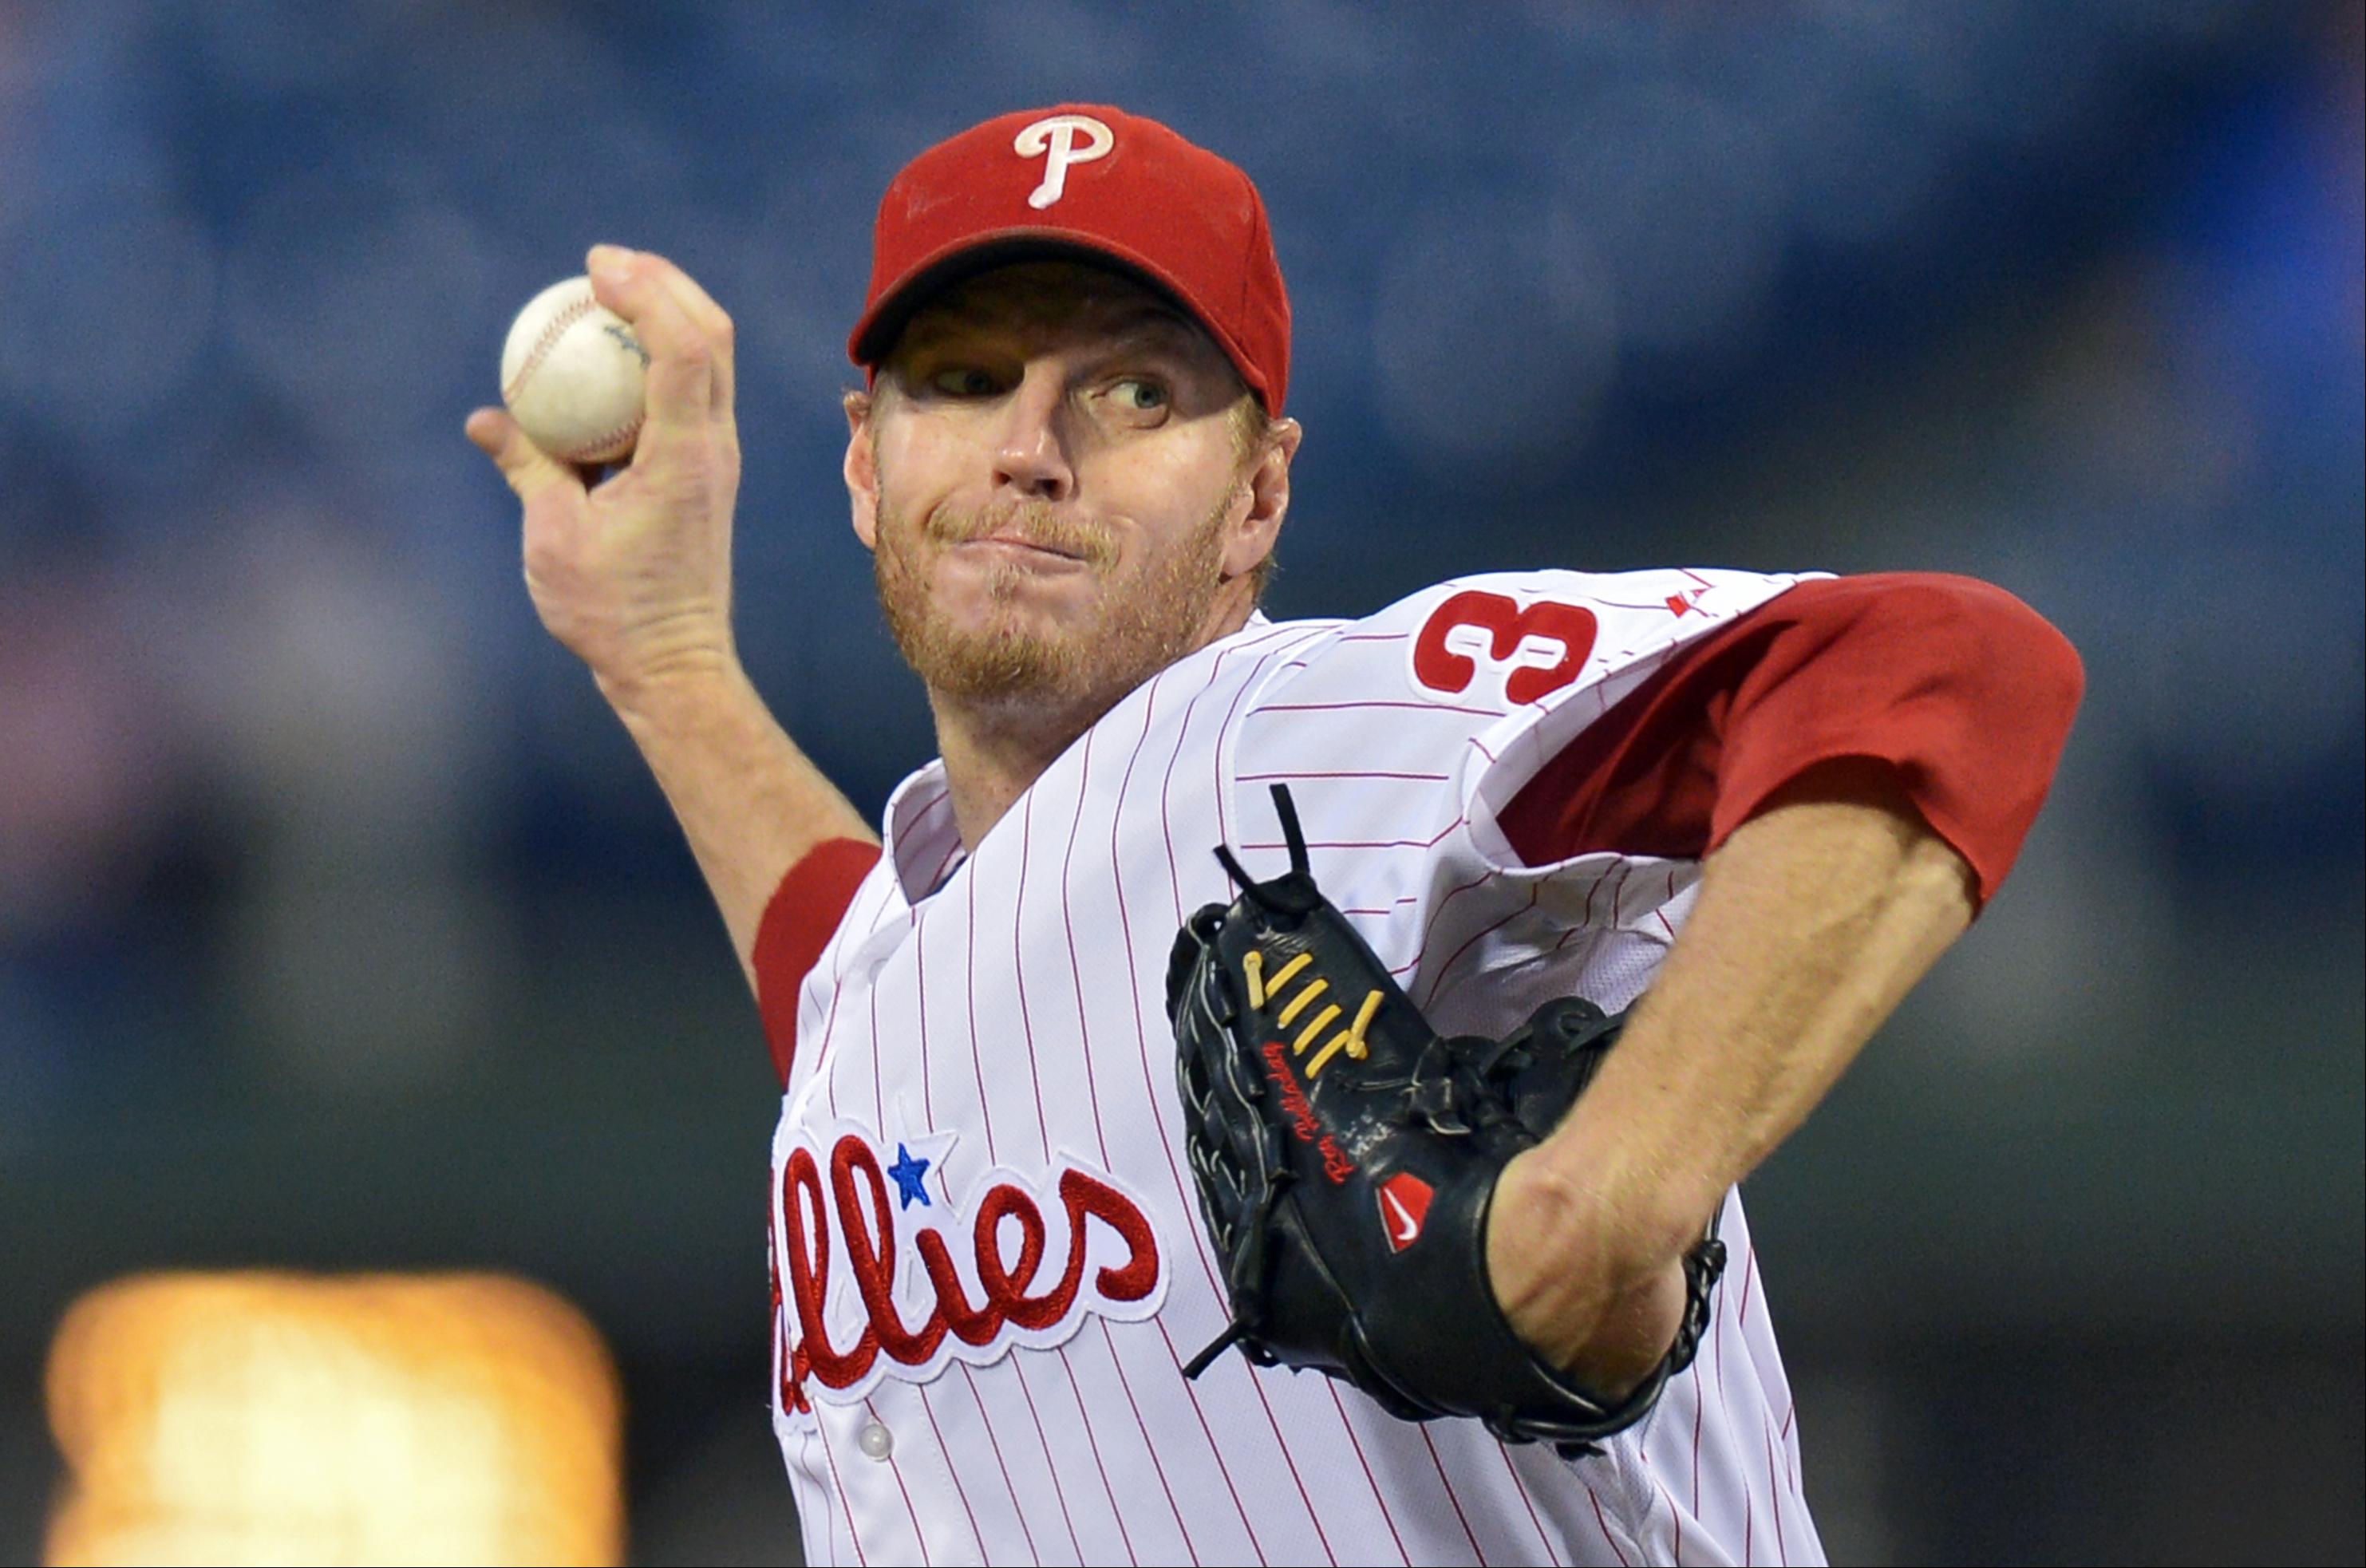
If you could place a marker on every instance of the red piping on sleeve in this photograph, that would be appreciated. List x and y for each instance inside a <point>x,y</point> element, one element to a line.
<point>1966,691</point>
<point>798,922</point>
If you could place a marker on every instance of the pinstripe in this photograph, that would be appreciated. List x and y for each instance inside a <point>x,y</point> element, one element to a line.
<point>1380,1499</point>
<point>977,1057</point>
<point>896,1468</point>
<point>953,1468</point>
<point>821,1434</point>
<point>1150,1446</point>
<point>1437,977</point>
<point>1527,1502</point>
<point>1607,1538</point>
<point>1092,1443</point>
<point>1017,1365</point>
<point>1446,1480</point>
<point>1019,966</point>
<point>993,1443</point>
<point>1158,1105</point>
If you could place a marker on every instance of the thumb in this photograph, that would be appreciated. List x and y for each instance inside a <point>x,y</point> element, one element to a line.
<point>528,468</point>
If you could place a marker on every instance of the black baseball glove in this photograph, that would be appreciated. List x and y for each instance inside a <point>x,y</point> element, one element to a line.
<point>1346,1153</point>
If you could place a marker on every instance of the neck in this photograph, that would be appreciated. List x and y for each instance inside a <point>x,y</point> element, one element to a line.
<point>996,747</point>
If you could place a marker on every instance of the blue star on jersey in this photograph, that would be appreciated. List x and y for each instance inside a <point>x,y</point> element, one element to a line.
<point>908,1172</point>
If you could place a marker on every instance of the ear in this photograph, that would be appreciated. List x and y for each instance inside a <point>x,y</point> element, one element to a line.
<point>1251,537</point>
<point>862,467</point>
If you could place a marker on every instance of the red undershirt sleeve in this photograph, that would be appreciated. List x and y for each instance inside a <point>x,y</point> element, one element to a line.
<point>798,922</point>
<point>1963,689</point>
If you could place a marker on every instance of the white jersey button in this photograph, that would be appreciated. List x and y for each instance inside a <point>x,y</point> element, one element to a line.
<point>874,1440</point>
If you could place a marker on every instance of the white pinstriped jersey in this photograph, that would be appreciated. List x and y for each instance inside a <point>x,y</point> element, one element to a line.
<point>989,1257</point>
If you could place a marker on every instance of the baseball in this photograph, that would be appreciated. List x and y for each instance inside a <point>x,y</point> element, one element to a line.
<point>572,374</point>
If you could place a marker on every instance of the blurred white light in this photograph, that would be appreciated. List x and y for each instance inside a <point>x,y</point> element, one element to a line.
<point>275,1417</point>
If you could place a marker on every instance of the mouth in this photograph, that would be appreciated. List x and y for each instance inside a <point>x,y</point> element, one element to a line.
<point>1013,546</point>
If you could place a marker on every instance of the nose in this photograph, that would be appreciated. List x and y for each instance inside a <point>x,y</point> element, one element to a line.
<point>1030,459</point>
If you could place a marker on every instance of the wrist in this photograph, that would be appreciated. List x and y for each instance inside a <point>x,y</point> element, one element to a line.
<point>1596,1293</point>
<point>639,653</point>
<point>1561,1236</point>
<point>683,689</point>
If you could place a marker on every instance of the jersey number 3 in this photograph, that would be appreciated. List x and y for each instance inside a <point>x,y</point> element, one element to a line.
<point>1490,625</point>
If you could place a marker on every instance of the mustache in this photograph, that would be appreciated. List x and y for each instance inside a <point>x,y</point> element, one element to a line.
<point>1030,522</point>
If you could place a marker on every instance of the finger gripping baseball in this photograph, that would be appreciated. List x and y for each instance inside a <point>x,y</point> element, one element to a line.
<point>1345,1154</point>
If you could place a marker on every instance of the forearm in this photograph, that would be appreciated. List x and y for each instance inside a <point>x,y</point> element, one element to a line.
<point>751,803</point>
<point>1813,921</point>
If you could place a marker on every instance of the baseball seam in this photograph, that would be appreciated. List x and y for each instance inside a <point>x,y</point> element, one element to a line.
<point>598,448</point>
<point>551,333</point>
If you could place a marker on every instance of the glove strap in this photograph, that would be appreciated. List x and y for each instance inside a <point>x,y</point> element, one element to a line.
<point>1293,894</point>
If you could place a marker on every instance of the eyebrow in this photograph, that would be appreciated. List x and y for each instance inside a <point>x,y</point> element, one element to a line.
<point>1155,334</point>
<point>1144,324</point>
<point>1155,321</point>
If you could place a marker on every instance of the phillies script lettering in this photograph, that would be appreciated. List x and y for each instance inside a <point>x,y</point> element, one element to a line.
<point>974,1307</point>
<point>1335,1163</point>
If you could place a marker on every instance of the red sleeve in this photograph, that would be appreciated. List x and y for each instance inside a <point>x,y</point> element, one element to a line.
<point>1964,688</point>
<point>797,924</point>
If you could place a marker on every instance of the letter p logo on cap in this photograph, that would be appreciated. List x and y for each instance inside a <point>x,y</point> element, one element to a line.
<point>1054,140</point>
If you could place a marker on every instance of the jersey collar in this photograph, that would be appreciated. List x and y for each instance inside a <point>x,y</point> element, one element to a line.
<point>923,842</point>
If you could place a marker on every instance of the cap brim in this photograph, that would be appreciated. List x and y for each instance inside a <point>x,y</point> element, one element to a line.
<point>875,335</point>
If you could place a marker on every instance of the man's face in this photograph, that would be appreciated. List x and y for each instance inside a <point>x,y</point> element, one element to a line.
<point>1055,480</point>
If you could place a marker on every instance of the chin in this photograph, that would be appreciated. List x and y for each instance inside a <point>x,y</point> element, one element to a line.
<point>1063,638</point>
<point>1012,601</point>
<point>993,652</point>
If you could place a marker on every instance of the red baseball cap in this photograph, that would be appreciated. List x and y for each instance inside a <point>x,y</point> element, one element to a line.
<point>1088,178</point>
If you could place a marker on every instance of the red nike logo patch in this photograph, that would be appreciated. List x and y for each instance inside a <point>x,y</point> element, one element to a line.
<point>1404,1204</point>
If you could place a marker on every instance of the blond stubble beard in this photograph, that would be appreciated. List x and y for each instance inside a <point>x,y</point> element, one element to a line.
<point>1132,631</point>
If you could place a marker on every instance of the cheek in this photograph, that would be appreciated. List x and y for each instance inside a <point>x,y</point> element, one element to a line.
<point>1165,503</point>
<point>915,466</point>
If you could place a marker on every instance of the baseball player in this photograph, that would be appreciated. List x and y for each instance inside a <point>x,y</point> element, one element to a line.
<point>1742,812</point>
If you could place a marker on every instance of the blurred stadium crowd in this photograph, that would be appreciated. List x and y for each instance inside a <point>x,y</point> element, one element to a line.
<point>339,926</point>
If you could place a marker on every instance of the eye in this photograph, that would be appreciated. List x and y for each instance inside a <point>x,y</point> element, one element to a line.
<point>1137,396</point>
<point>964,381</point>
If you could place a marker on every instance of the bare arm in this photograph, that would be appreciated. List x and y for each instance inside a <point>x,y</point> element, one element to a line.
<point>1814,919</point>
<point>634,576</point>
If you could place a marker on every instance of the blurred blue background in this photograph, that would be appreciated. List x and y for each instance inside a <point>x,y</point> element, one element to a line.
<point>341,927</point>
